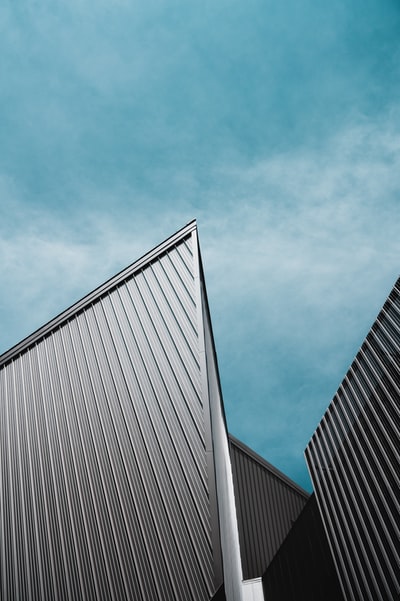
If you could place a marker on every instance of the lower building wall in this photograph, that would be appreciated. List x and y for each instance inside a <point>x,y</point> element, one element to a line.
<point>303,568</point>
<point>267,503</point>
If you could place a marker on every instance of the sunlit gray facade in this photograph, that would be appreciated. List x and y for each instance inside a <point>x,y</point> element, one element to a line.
<point>107,467</point>
<point>354,461</point>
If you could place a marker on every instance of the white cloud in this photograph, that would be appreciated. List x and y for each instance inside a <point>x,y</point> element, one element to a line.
<point>313,218</point>
<point>298,266</point>
<point>50,258</point>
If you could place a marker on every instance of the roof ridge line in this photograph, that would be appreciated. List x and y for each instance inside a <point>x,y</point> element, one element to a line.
<point>108,285</point>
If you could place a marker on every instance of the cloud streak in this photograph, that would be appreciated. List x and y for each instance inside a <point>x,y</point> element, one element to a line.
<point>299,265</point>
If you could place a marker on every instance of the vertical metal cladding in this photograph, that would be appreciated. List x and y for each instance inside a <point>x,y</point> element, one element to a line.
<point>103,469</point>
<point>354,461</point>
<point>267,503</point>
<point>303,568</point>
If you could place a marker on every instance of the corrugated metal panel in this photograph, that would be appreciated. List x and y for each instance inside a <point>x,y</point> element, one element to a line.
<point>267,503</point>
<point>303,568</point>
<point>354,460</point>
<point>105,485</point>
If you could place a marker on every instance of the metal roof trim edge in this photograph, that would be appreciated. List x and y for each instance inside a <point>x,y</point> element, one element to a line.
<point>396,286</point>
<point>79,305</point>
<point>266,465</point>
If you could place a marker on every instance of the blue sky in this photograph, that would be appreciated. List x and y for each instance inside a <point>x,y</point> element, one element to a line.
<point>275,124</point>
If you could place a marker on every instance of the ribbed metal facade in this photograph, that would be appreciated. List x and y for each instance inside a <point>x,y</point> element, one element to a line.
<point>107,483</point>
<point>303,568</point>
<point>354,461</point>
<point>267,505</point>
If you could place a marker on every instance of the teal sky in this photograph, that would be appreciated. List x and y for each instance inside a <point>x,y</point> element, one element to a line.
<point>275,123</point>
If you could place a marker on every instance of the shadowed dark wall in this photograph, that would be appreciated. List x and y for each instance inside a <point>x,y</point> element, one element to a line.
<point>303,568</point>
<point>267,504</point>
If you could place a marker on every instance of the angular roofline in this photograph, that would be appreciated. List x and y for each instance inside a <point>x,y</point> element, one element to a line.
<point>389,298</point>
<point>111,283</point>
<point>268,466</point>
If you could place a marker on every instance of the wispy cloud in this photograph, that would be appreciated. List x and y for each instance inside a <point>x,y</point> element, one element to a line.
<point>49,260</point>
<point>299,263</point>
<point>313,216</point>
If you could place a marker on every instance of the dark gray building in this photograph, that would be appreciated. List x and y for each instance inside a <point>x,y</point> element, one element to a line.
<point>354,461</point>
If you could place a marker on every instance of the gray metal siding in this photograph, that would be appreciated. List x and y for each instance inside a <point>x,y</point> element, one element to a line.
<point>103,468</point>
<point>267,504</point>
<point>354,461</point>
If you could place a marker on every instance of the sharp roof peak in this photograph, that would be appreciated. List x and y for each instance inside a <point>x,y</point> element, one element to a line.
<point>145,259</point>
